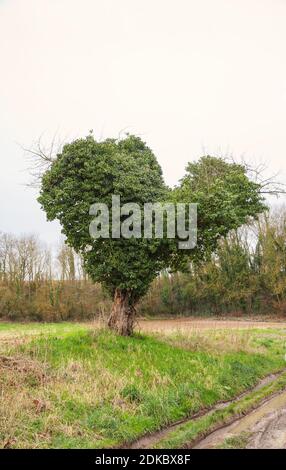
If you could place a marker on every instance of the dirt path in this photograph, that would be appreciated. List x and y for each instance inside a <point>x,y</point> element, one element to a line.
<point>150,440</point>
<point>265,426</point>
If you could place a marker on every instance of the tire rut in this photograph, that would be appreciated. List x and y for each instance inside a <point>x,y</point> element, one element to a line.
<point>149,440</point>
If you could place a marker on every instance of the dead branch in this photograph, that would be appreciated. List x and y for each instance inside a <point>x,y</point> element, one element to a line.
<point>40,157</point>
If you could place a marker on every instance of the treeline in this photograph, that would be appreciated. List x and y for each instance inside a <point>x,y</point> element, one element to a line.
<point>246,275</point>
<point>37,285</point>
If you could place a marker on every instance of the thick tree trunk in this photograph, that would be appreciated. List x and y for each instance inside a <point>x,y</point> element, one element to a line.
<point>122,315</point>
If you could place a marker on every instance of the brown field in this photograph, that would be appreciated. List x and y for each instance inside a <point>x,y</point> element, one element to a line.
<point>191,324</point>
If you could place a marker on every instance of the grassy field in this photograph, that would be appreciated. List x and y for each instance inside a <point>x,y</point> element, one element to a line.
<point>73,386</point>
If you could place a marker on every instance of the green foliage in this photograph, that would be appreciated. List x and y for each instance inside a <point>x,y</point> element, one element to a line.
<point>88,171</point>
<point>226,199</point>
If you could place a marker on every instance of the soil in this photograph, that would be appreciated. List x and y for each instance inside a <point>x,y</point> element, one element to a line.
<point>200,324</point>
<point>266,427</point>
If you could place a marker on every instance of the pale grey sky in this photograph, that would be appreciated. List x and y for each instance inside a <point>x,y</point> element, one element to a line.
<point>187,75</point>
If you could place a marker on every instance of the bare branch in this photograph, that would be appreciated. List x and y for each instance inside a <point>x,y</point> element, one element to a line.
<point>40,157</point>
<point>270,185</point>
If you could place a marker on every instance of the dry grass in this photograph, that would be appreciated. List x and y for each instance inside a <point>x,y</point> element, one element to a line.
<point>30,388</point>
<point>216,341</point>
<point>19,376</point>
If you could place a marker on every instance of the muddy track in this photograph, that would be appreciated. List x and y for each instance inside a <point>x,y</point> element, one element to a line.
<point>150,440</point>
<point>264,426</point>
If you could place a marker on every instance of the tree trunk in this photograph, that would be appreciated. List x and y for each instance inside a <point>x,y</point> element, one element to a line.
<point>122,315</point>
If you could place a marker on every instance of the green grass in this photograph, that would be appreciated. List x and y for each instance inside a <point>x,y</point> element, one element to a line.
<point>236,442</point>
<point>22,328</point>
<point>70,387</point>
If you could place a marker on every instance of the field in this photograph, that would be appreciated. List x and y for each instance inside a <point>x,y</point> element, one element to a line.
<point>72,385</point>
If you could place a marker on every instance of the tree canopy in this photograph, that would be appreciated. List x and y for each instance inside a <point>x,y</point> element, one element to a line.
<point>87,171</point>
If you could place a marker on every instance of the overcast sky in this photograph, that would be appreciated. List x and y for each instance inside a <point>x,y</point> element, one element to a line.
<point>188,76</point>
